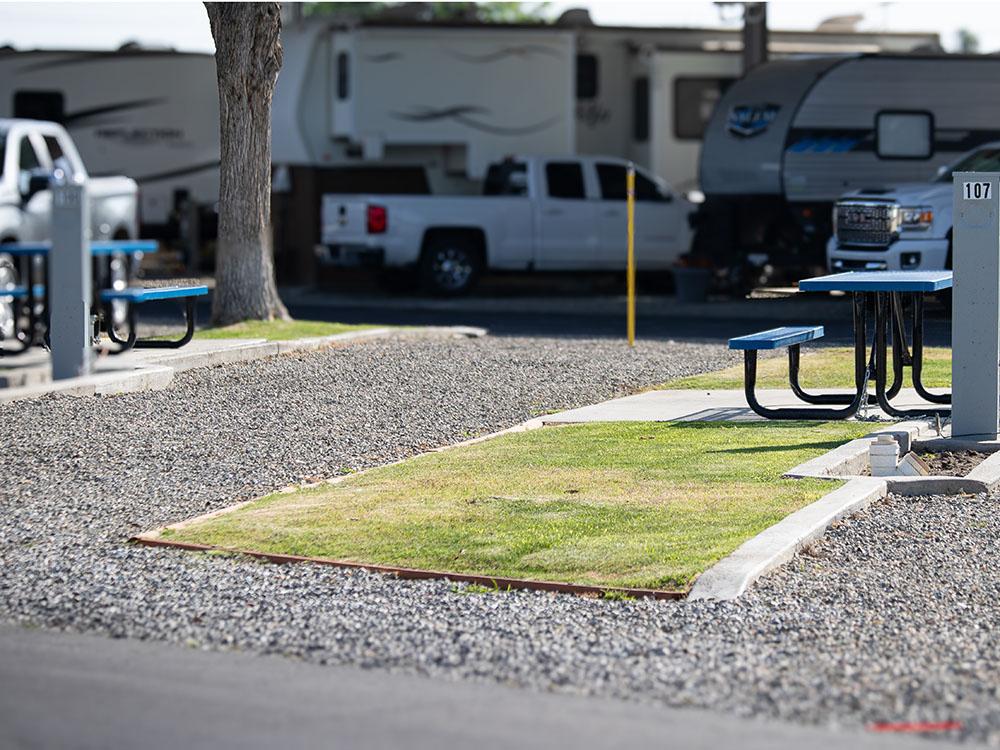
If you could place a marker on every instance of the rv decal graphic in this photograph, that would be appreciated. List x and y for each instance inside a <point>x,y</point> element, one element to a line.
<point>747,120</point>
<point>524,50</point>
<point>383,57</point>
<point>461,114</point>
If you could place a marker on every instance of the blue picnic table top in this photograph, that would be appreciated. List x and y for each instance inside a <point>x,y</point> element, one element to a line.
<point>879,281</point>
<point>97,248</point>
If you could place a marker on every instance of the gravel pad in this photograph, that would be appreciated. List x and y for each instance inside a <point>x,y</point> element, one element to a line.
<point>891,617</point>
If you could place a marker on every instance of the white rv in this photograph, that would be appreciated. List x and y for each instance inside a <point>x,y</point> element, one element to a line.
<point>150,114</point>
<point>794,135</point>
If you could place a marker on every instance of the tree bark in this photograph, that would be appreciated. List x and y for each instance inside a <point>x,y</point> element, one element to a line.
<point>247,60</point>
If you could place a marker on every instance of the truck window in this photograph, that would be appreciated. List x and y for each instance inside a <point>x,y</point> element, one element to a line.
<point>58,156</point>
<point>612,181</point>
<point>506,178</point>
<point>40,105</point>
<point>984,160</point>
<point>3,151</point>
<point>565,180</point>
<point>694,102</point>
<point>586,76</point>
<point>27,158</point>
<point>904,135</point>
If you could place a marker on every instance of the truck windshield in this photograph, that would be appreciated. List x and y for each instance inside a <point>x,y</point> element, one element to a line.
<point>984,160</point>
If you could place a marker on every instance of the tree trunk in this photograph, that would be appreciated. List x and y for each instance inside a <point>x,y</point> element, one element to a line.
<point>247,60</point>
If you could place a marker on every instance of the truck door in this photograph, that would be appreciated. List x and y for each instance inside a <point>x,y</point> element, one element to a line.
<point>567,226</point>
<point>36,207</point>
<point>658,221</point>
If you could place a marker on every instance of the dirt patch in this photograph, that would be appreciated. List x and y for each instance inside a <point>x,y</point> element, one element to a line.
<point>952,463</point>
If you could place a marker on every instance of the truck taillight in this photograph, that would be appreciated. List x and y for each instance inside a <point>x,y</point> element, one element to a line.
<point>378,219</point>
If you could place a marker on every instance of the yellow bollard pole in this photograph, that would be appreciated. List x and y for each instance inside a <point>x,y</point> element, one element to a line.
<point>630,271</point>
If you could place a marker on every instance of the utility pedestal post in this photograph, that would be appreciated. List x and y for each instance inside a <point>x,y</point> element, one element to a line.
<point>975,317</point>
<point>69,283</point>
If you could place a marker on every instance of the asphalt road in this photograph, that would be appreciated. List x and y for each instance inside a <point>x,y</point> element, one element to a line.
<point>78,691</point>
<point>595,318</point>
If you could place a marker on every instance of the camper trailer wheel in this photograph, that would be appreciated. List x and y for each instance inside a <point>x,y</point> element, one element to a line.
<point>450,265</point>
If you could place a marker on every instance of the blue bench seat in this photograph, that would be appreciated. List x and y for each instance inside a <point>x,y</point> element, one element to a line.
<point>19,292</point>
<point>138,295</point>
<point>776,338</point>
<point>134,296</point>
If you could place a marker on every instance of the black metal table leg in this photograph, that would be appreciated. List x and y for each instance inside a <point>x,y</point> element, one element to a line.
<point>749,390</point>
<point>882,323</point>
<point>860,368</point>
<point>918,355</point>
<point>189,319</point>
<point>123,344</point>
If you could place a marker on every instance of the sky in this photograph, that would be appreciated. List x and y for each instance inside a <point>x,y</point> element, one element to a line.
<point>183,25</point>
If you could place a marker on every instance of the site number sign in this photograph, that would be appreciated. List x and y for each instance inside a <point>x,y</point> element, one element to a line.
<point>976,191</point>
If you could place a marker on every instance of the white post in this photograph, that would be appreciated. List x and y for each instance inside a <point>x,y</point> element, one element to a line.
<point>975,317</point>
<point>69,283</point>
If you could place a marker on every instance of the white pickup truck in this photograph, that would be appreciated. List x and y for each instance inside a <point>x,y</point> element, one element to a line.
<point>535,214</point>
<point>902,227</point>
<point>33,155</point>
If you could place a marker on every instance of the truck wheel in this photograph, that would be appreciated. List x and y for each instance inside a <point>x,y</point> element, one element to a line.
<point>450,266</point>
<point>8,317</point>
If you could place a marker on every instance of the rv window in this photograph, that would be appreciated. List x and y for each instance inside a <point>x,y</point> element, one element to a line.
<point>39,105</point>
<point>506,178</point>
<point>343,76</point>
<point>586,76</point>
<point>904,135</point>
<point>612,180</point>
<point>565,180</point>
<point>694,102</point>
<point>640,109</point>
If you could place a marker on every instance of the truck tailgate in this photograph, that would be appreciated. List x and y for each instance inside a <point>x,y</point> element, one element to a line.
<point>343,219</point>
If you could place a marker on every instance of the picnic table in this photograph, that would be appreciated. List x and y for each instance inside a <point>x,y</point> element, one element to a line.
<point>886,292</point>
<point>116,263</point>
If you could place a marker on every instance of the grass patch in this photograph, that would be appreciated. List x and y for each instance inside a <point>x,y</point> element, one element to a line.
<point>646,505</point>
<point>829,367</point>
<point>278,330</point>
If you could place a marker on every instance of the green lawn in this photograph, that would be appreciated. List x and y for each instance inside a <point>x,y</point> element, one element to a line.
<point>830,367</point>
<point>277,330</point>
<point>645,505</point>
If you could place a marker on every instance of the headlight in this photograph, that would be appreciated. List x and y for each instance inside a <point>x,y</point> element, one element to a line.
<point>916,217</point>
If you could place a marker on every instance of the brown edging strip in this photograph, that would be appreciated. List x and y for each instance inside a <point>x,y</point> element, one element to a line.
<point>418,574</point>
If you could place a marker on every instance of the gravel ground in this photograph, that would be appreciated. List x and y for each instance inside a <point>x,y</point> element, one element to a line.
<point>889,618</point>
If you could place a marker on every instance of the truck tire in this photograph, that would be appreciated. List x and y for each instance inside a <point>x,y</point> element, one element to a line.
<point>450,264</point>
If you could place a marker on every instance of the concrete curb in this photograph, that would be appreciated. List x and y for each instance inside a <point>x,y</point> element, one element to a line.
<point>103,384</point>
<point>159,367</point>
<point>730,577</point>
<point>850,458</point>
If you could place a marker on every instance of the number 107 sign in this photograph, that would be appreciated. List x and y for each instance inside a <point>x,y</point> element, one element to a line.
<point>976,191</point>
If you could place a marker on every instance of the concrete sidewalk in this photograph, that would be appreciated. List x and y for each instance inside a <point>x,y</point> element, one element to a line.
<point>697,405</point>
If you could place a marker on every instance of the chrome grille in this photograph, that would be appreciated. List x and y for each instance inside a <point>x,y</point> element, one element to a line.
<point>868,224</point>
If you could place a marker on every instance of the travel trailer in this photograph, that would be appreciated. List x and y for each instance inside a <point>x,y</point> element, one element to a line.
<point>793,136</point>
<point>397,107</point>
<point>150,114</point>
